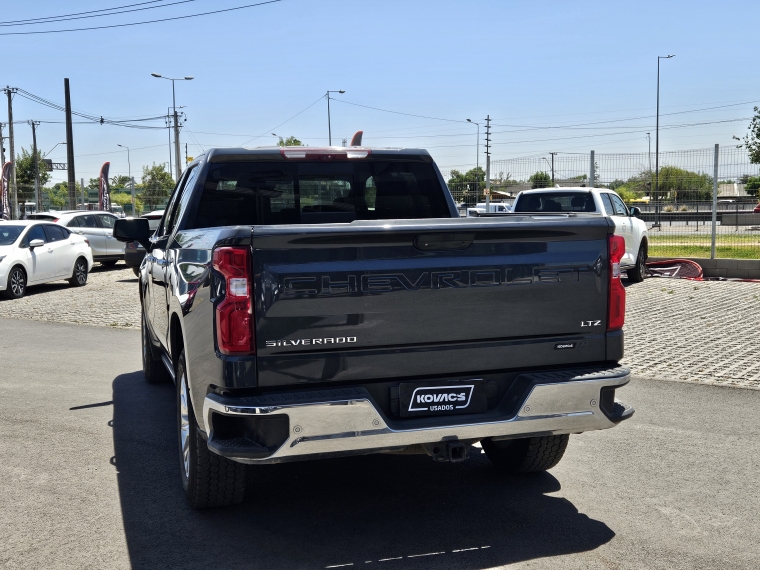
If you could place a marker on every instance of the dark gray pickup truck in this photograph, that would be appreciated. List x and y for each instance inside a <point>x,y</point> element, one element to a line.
<point>312,303</point>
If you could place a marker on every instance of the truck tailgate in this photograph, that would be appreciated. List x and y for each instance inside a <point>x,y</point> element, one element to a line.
<point>413,298</point>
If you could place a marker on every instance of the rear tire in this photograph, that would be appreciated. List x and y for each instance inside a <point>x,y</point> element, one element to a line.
<point>209,480</point>
<point>636,275</point>
<point>529,455</point>
<point>79,274</point>
<point>15,288</point>
<point>136,271</point>
<point>153,368</point>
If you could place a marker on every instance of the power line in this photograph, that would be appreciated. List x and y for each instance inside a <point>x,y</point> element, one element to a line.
<point>400,113</point>
<point>140,23</point>
<point>290,119</point>
<point>54,19</point>
<point>80,13</point>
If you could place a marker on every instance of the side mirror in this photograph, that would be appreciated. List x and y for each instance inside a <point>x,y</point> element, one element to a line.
<point>133,229</point>
<point>635,212</point>
<point>36,243</point>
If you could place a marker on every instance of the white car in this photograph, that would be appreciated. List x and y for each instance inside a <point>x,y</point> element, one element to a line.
<point>493,208</point>
<point>595,201</point>
<point>34,252</point>
<point>97,227</point>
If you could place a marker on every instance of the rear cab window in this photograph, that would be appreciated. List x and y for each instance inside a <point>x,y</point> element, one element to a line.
<point>555,202</point>
<point>274,193</point>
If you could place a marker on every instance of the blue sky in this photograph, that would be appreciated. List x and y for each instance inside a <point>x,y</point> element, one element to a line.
<point>529,65</point>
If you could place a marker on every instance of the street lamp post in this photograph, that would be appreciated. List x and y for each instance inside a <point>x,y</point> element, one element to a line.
<point>477,160</point>
<point>176,120</point>
<point>329,126</point>
<point>657,143</point>
<point>131,182</point>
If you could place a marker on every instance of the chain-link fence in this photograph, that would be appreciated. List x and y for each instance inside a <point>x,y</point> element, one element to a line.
<point>677,205</point>
<point>121,200</point>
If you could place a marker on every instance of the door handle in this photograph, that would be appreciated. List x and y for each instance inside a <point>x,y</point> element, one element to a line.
<point>50,250</point>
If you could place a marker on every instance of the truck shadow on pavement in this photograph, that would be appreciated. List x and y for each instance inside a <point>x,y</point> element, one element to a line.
<point>406,511</point>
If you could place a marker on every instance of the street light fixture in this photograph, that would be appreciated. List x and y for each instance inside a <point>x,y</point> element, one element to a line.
<point>657,143</point>
<point>52,149</point>
<point>131,182</point>
<point>329,126</point>
<point>176,121</point>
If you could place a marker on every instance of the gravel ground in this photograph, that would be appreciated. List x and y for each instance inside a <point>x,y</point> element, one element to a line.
<point>694,331</point>
<point>676,330</point>
<point>110,299</point>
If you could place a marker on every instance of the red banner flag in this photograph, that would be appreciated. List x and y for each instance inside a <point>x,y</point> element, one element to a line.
<point>104,192</point>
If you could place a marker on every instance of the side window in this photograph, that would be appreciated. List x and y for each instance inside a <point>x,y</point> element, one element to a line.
<point>88,221</point>
<point>181,203</point>
<point>106,221</point>
<point>74,223</point>
<point>619,205</point>
<point>54,233</point>
<point>36,232</point>
<point>608,207</point>
<point>163,228</point>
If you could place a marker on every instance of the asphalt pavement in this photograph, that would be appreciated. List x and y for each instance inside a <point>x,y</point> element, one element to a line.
<point>89,478</point>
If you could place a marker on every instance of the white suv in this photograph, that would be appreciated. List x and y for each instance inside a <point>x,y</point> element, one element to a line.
<point>599,201</point>
<point>97,227</point>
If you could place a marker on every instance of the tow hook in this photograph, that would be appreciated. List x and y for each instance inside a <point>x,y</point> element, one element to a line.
<point>447,452</point>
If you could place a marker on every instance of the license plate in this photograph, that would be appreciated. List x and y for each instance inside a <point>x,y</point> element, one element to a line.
<point>442,398</point>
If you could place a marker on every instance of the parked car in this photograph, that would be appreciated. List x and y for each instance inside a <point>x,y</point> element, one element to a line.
<point>595,201</point>
<point>301,300</point>
<point>757,209</point>
<point>493,207</point>
<point>38,252</point>
<point>96,226</point>
<point>133,251</point>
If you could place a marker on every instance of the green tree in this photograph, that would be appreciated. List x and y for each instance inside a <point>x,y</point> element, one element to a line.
<point>25,174</point>
<point>752,138</point>
<point>540,179</point>
<point>58,195</point>
<point>157,185</point>
<point>290,141</point>
<point>471,183</point>
<point>119,181</point>
<point>753,185</point>
<point>684,184</point>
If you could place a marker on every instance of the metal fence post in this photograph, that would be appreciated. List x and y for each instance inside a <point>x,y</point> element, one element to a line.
<point>715,202</point>
<point>591,171</point>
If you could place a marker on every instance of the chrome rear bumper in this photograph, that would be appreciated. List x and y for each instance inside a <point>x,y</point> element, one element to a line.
<point>557,403</point>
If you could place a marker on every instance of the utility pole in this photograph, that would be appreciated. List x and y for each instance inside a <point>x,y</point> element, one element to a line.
<point>2,146</point>
<point>488,163</point>
<point>657,147</point>
<point>70,148</point>
<point>36,167</point>
<point>552,153</point>
<point>9,91</point>
<point>329,125</point>
<point>83,206</point>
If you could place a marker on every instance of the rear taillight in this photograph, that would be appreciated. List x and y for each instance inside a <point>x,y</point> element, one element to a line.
<point>86,241</point>
<point>234,314</point>
<point>56,219</point>
<point>616,305</point>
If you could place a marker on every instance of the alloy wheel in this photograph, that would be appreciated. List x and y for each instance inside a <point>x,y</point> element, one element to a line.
<point>80,272</point>
<point>17,283</point>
